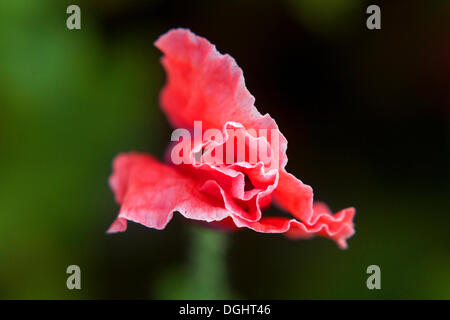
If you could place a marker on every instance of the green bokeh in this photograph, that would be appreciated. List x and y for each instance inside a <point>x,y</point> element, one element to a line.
<point>69,104</point>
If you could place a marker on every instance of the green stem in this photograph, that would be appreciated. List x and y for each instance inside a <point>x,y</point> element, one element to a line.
<point>207,268</point>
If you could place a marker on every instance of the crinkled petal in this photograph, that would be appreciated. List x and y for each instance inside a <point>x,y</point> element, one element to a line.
<point>149,192</point>
<point>294,196</point>
<point>338,227</point>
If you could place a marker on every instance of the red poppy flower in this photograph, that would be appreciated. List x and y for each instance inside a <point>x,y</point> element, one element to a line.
<point>207,87</point>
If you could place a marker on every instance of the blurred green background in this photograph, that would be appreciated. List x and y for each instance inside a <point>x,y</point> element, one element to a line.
<point>366,114</point>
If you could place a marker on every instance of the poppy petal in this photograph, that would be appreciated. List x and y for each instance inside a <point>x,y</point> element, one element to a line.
<point>338,227</point>
<point>294,196</point>
<point>150,191</point>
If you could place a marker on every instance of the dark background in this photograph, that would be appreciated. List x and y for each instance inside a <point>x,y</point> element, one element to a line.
<point>366,114</point>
